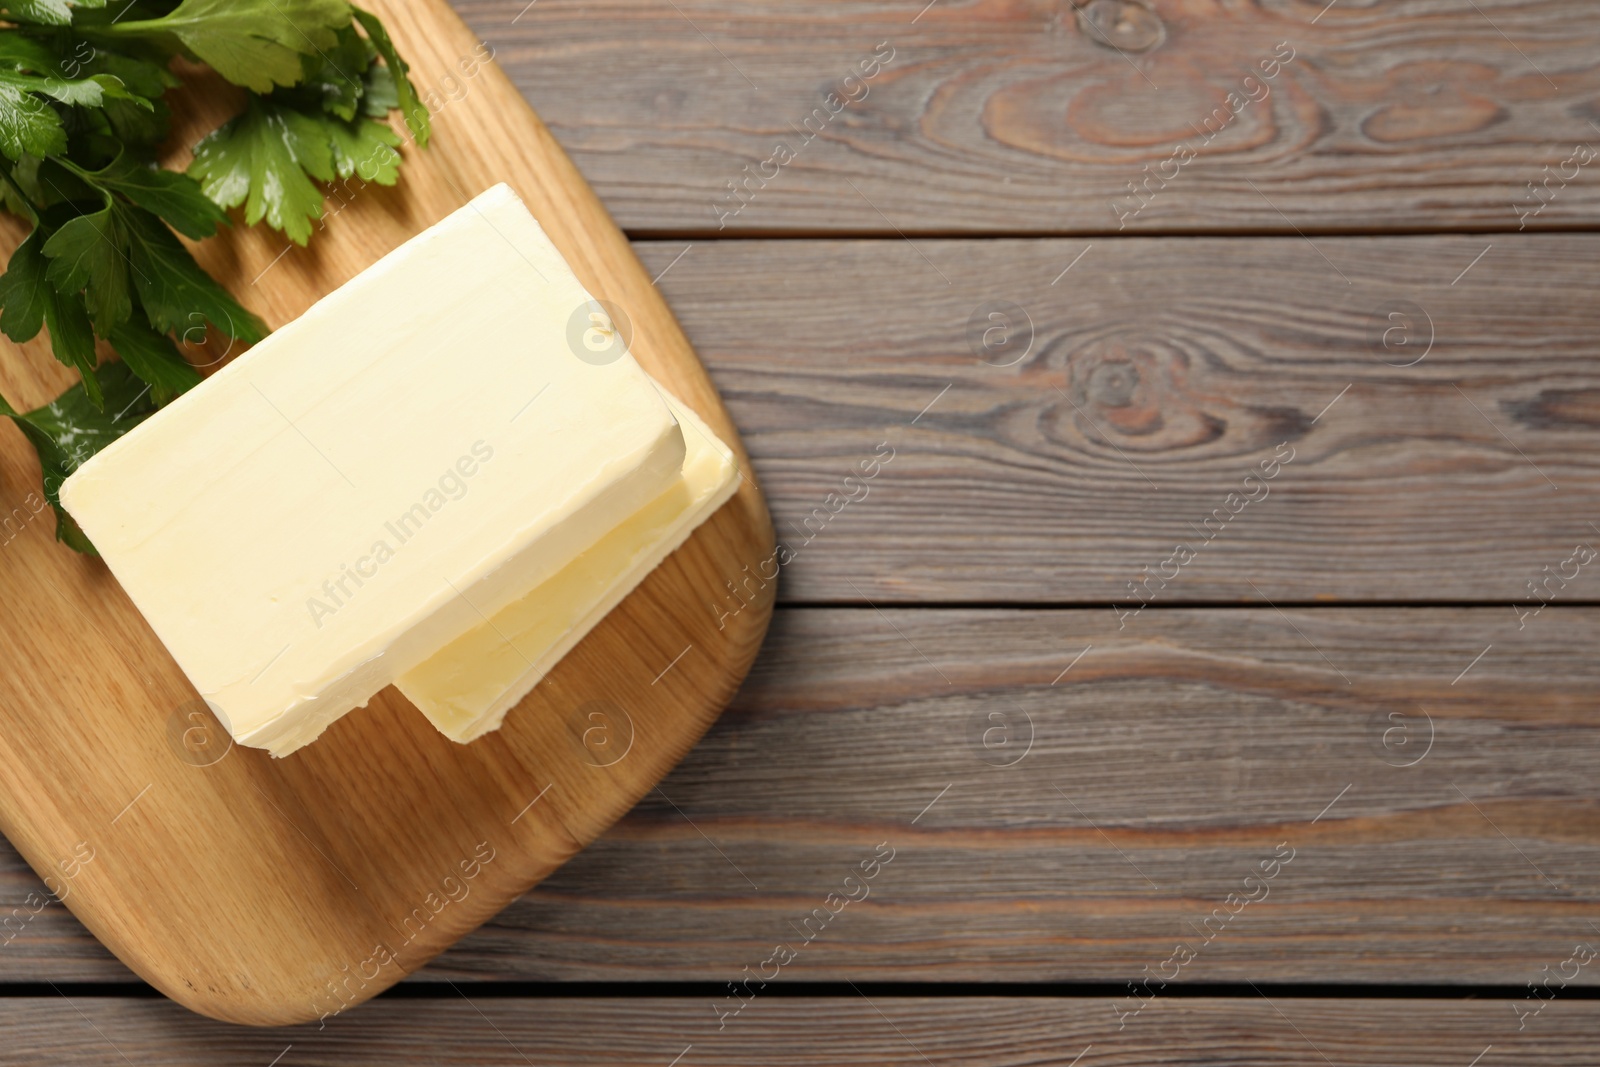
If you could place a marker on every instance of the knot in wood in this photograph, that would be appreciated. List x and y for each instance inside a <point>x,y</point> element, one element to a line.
<point>1123,25</point>
<point>1112,384</point>
<point>1132,390</point>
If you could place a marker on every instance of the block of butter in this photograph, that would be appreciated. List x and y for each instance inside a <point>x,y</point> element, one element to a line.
<point>466,688</point>
<point>378,477</point>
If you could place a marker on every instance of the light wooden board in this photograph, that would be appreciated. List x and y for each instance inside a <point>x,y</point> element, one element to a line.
<point>1270,1030</point>
<point>261,891</point>
<point>1004,116</point>
<point>1196,740</point>
<point>1161,372</point>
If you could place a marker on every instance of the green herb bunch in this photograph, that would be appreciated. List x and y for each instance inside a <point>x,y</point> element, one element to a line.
<point>81,120</point>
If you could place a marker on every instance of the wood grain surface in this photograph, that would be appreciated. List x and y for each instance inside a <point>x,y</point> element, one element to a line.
<point>267,891</point>
<point>1268,1030</point>
<point>1431,767</point>
<point>1014,116</point>
<point>1136,394</point>
<point>1444,831</point>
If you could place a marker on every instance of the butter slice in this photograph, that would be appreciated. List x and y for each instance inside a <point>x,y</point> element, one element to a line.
<point>467,687</point>
<point>377,477</point>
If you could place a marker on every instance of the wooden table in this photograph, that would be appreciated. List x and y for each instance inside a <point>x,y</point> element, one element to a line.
<point>1308,372</point>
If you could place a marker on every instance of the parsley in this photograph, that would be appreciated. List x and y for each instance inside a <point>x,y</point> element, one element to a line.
<point>44,12</point>
<point>74,426</point>
<point>179,201</point>
<point>411,108</point>
<point>23,292</point>
<point>253,43</point>
<point>28,126</point>
<point>270,156</point>
<point>78,260</point>
<point>81,119</point>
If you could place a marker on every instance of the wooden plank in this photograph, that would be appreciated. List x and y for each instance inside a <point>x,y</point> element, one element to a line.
<point>245,886</point>
<point>818,1032</point>
<point>1167,764</point>
<point>1010,117</point>
<point>1161,372</point>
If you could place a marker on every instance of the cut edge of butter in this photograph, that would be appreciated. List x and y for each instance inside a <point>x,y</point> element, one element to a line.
<point>290,732</point>
<point>467,687</point>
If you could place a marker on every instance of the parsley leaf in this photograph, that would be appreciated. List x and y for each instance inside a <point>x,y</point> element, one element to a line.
<point>333,79</point>
<point>54,181</point>
<point>25,53</point>
<point>176,197</point>
<point>411,108</point>
<point>260,158</point>
<point>28,125</point>
<point>378,95</point>
<point>270,156</point>
<point>365,149</point>
<point>14,200</point>
<point>85,92</point>
<point>155,359</point>
<point>143,76</point>
<point>175,292</point>
<point>22,290</point>
<point>31,302</point>
<point>87,253</point>
<point>267,158</point>
<point>42,12</point>
<point>71,429</point>
<point>253,43</point>
<point>72,337</point>
<point>135,126</point>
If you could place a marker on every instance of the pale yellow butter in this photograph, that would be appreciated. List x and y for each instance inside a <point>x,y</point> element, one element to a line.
<point>379,476</point>
<point>467,687</point>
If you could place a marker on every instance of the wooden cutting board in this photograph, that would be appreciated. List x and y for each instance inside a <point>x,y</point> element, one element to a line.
<point>275,891</point>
